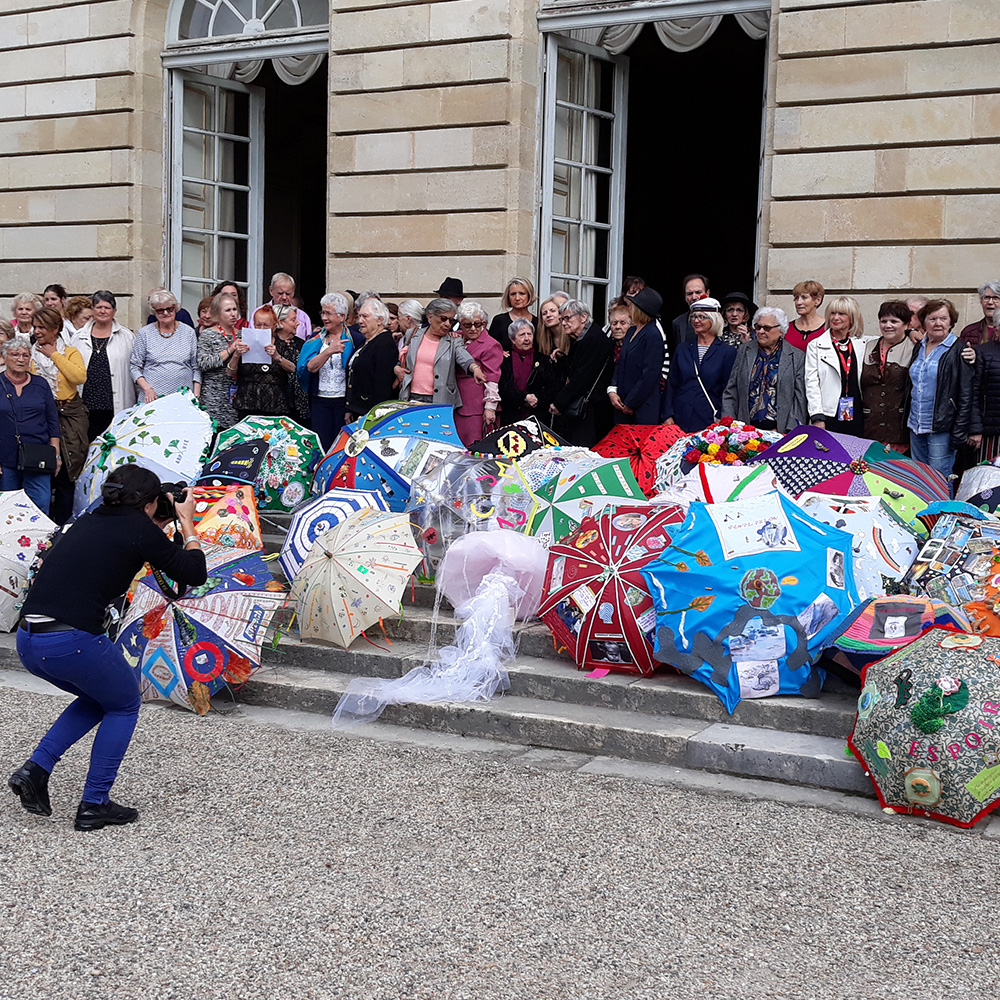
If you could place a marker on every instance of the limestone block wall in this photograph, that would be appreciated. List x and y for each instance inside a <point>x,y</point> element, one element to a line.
<point>884,152</point>
<point>432,145</point>
<point>81,133</point>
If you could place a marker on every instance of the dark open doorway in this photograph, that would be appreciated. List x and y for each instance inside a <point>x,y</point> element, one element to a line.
<point>692,165</point>
<point>295,183</point>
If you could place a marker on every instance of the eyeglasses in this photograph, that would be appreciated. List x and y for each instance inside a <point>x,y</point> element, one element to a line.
<point>475,324</point>
<point>989,298</point>
<point>18,354</point>
<point>759,327</point>
<point>165,310</point>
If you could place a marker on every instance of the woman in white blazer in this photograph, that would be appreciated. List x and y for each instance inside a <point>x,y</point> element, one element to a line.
<point>833,370</point>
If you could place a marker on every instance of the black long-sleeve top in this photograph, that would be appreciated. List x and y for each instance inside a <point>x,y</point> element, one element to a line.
<point>96,560</point>
<point>371,373</point>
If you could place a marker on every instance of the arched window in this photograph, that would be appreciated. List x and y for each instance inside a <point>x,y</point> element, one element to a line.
<point>207,19</point>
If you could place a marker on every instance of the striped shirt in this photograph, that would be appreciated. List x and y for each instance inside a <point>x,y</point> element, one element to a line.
<point>166,363</point>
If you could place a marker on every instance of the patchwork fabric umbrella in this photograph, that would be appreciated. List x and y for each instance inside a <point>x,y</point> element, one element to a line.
<point>24,532</point>
<point>595,600</point>
<point>642,446</point>
<point>809,458</point>
<point>748,594</point>
<point>170,436</point>
<point>386,454</point>
<point>928,730</point>
<point>283,479</point>
<point>883,624</point>
<point>563,502</point>
<point>355,575</point>
<point>189,645</point>
<point>884,545</point>
<point>227,516</point>
<point>239,464</point>
<point>316,517</point>
<point>517,439</point>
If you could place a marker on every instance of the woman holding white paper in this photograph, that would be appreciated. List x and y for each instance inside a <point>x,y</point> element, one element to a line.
<point>218,347</point>
<point>267,388</point>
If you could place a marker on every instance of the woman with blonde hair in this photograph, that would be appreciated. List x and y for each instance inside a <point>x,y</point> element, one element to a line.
<point>515,304</point>
<point>550,335</point>
<point>833,370</point>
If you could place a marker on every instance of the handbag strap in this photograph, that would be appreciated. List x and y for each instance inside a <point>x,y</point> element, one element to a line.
<point>697,375</point>
<point>13,408</point>
<point>600,372</point>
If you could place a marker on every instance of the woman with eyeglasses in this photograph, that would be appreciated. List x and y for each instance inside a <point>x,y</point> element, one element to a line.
<point>885,381</point>
<point>766,387</point>
<point>478,412</point>
<point>516,304</point>
<point>165,355</point>
<point>986,328</point>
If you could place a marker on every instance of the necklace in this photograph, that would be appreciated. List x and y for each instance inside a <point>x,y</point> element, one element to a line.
<point>166,336</point>
<point>18,381</point>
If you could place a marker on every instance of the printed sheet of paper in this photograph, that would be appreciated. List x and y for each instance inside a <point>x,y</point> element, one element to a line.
<point>258,340</point>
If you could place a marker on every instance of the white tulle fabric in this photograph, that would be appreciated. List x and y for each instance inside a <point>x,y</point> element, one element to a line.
<point>492,578</point>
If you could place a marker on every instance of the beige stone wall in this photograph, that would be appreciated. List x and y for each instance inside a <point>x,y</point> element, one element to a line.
<point>886,135</point>
<point>432,149</point>
<point>81,132</point>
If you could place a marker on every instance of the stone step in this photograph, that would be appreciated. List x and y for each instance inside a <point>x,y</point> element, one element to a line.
<point>797,758</point>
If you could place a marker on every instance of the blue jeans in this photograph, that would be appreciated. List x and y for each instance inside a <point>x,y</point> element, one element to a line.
<point>934,450</point>
<point>107,696</point>
<point>38,485</point>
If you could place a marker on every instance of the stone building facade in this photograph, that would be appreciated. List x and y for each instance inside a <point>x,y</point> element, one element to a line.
<point>388,143</point>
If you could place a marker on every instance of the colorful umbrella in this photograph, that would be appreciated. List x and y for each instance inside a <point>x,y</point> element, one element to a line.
<point>712,482</point>
<point>239,464</point>
<point>283,479</point>
<point>928,728</point>
<point>386,454</point>
<point>517,439</point>
<point>188,647</point>
<point>748,593</point>
<point>564,501</point>
<point>595,600</point>
<point>884,545</point>
<point>355,575</point>
<point>24,532</point>
<point>809,458</point>
<point>883,624</point>
<point>985,476</point>
<point>538,467</point>
<point>316,517</point>
<point>169,436</point>
<point>227,516</point>
<point>642,446</point>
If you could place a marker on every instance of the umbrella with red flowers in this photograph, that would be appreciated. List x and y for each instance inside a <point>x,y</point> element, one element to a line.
<point>642,445</point>
<point>595,600</point>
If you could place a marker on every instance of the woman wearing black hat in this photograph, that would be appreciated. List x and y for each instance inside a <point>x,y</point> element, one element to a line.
<point>736,312</point>
<point>639,364</point>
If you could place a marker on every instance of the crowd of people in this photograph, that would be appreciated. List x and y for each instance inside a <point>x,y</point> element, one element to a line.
<point>917,386</point>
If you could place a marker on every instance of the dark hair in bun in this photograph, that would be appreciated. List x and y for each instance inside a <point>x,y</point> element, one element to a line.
<point>130,486</point>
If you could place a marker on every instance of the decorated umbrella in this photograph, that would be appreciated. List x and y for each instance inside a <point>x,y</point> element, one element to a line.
<point>283,479</point>
<point>809,458</point>
<point>24,532</point>
<point>642,446</point>
<point>227,516</point>
<point>354,576</point>
<point>883,624</point>
<point>595,600</point>
<point>316,517</point>
<point>538,467</point>
<point>985,476</point>
<point>517,439</point>
<point>712,482</point>
<point>986,500</point>
<point>169,436</point>
<point>747,595</point>
<point>239,464</point>
<point>926,729</point>
<point>190,644</point>
<point>564,501</point>
<point>467,493</point>
<point>386,454</point>
<point>884,545</point>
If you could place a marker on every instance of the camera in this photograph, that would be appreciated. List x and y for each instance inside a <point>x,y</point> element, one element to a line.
<point>165,501</point>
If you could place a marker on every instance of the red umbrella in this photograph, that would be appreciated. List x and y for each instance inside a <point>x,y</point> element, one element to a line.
<point>642,445</point>
<point>595,600</point>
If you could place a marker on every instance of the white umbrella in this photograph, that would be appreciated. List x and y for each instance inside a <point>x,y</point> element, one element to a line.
<point>355,575</point>
<point>23,530</point>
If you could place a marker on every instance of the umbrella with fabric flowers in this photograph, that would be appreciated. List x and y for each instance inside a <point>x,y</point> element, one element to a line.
<point>642,446</point>
<point>189,644</point>
<point>169,436</point>
<point>595,600</point>
<point>928,728</point>
<point>24,532</point>
<point>355,575</point>
<point>386,454</point>
<point>809,458</point>
<point>316,517</point>
<point>283,479</point>
<point>517,439</point>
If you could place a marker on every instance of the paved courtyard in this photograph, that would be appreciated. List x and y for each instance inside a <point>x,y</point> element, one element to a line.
<point>274,862</point>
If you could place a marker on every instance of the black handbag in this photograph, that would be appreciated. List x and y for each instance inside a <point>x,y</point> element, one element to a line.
<point>32,456</point>
<point>577,410</point>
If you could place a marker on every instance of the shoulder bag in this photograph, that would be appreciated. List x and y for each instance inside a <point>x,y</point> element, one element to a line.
<point>31,455</point>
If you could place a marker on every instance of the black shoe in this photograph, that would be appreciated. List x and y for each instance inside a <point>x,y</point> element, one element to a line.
<point>31,784</point>
<point>95,816</point>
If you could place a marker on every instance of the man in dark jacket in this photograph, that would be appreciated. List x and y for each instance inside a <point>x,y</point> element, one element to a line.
<point>695,287</point>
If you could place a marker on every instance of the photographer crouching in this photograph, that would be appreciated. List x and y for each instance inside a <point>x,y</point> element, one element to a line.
<point>62,635</point>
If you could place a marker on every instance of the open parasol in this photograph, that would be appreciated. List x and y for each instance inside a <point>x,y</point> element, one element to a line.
<point>227,516</point>
<point>642,445</point>
<point>24,532</point>
<point>517,439</point>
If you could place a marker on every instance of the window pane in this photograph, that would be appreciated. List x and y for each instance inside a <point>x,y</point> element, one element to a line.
<point>199,106</point>
<point>569,77</point>
<point>196,255</point>
<point>569,134</point>
<point>226,22</point>
<point>594,255</point>
<point>233,258</point>
<point>199,155</point>
<point>600,149</point>
<point>234,112</point>
<point>192,292</point>
<point>567,183</point>
<point>234,211</point>
<point>283,16</point>
<point>234,161</point>
<point>601,85</point>
<point>199,205</point>
<point>602,198</point>
<point>566,258</point>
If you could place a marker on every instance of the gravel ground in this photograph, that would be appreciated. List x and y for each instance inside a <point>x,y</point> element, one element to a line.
<point>270,863</point>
